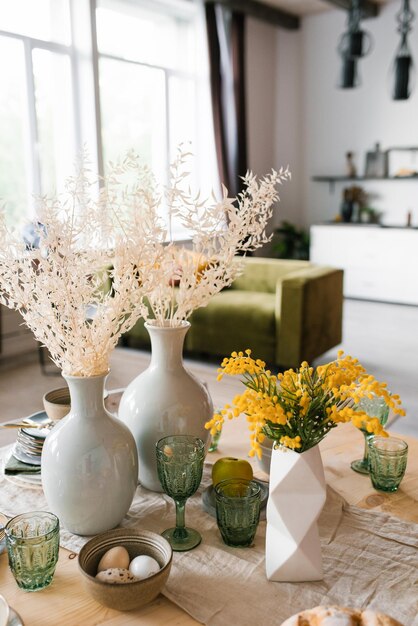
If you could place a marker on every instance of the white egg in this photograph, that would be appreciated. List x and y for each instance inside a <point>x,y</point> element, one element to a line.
<point>115,557</point>
<point>143,566</point>
<point>116,576</point>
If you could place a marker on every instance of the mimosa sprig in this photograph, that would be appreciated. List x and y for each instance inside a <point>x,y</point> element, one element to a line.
<point>299,407</point>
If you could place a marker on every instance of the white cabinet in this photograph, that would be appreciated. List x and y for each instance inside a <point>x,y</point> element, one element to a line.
<point>379,263</point>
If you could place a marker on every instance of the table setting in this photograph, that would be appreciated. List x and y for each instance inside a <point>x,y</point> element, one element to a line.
<point>106,507</point>
<point>224,572</point>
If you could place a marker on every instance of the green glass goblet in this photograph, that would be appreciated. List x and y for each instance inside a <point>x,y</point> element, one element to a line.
<point>180,466</point>
<point>374,407</point>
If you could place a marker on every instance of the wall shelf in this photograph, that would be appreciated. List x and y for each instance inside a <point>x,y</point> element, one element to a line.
<point>335,179</point>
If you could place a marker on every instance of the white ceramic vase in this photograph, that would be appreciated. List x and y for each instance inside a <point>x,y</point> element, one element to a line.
<point>164,400</point>
<point>89,462</point>
<point>297,494</point>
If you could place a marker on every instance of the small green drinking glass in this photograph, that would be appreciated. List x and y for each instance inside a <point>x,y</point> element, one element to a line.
<point>32,541</point>
<point>387,458</point>
<point>238,510</point>
<point>374,407</point>
<point>180,467</point>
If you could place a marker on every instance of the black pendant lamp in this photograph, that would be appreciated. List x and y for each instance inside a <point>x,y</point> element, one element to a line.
<point>354,44</point>
<point>403,67</point>
<point>349,77</point>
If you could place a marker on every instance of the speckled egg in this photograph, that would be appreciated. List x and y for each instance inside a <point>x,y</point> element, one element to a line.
<point>116,576</point>
<point>143,566</point>
<point>115,557</point>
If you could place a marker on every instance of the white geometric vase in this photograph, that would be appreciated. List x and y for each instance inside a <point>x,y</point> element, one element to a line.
<point>297,494</point>
<point>164,400</point>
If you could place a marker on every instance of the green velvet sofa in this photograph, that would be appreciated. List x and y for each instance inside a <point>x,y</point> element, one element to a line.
<point>285,311</point>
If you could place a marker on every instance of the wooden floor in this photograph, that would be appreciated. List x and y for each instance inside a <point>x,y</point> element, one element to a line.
<point>383,337</point>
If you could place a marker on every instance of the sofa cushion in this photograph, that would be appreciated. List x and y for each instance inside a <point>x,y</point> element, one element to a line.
<point>262,274</point>
<point>252,325</point>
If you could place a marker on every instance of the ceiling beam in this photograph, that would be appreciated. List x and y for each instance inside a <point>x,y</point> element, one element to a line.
<point>261,11</point>
<point>369,8</point>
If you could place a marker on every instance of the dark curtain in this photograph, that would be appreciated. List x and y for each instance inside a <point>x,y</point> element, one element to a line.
<point>226,39</point>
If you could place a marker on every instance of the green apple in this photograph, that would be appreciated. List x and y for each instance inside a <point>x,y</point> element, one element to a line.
<point>229,467</point>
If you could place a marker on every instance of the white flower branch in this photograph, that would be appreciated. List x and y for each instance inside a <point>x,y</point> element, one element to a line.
<point>106,257</point>
<point>84,286</point>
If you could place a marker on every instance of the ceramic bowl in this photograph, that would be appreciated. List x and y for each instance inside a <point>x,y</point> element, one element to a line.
<point>132,595</point>
<point>57,403</point>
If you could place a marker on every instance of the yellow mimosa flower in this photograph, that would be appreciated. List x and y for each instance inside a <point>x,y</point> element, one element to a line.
<point>298,408</point>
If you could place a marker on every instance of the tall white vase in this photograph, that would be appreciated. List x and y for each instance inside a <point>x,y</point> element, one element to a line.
<point>89,462</point>
<point>297,494</point>
<point>164,400</point>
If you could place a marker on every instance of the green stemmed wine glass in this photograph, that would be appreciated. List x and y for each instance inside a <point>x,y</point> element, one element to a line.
<point>374,407</point>
<point>180,466</point>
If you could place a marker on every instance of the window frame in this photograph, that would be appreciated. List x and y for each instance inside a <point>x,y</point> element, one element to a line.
<point>84,58</point>
<point>31,140</point>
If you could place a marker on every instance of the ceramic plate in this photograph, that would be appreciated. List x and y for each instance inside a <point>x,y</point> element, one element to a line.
<point>39,418</point>
<point>34,442</point>
<point>31,481</point>
<point>208,499</point>
<point>21,455</point>
<point>28,447</point>
<point>14,618</point>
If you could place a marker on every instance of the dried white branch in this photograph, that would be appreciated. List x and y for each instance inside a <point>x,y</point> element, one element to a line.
<point>219,231</point>
<point>62,289</point>
<point>93,233</point>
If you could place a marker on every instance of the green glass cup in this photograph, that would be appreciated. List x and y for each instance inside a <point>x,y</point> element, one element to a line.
<point>387,462</point>
<point>32,541</point>
<point>180,467</point>
<point>238,510</point>
<point>214,442</point>
<point>374,407</point>
<point>3,521</point>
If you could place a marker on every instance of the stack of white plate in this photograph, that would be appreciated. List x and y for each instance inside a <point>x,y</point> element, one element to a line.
<point>30,441</point>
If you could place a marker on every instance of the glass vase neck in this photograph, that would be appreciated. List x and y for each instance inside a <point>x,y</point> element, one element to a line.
<point>167,345</point>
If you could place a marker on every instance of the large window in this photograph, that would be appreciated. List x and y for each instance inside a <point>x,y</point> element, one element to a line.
<point>153,83</point>
<point>37,132</point>
<point>138,65</point>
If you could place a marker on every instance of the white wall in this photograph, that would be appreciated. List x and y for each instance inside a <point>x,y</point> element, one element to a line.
<point>297,115</point>
<point>274,110</point>
<point>336,121</point>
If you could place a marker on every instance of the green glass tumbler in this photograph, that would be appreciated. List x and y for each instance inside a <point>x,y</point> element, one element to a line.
<point>374,407</point>
<point>387,462</point>
<point>238,511</point>
<point>180,467</point>
<point>32,541</point>
<point>214,442</point>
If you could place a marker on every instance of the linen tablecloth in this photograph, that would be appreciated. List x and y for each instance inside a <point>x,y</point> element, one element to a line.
<point>370,560</point>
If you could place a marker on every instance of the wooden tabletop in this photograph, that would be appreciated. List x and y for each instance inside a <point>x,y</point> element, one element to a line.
<point>65,602</point>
